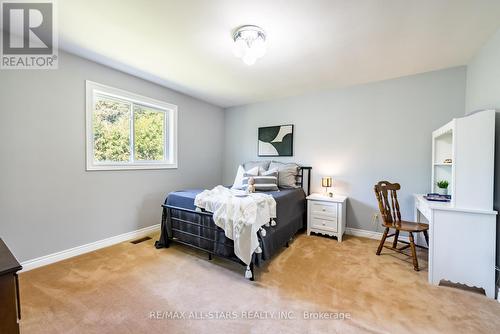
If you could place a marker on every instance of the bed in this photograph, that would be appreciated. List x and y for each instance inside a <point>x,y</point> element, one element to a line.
<point>184,224</point>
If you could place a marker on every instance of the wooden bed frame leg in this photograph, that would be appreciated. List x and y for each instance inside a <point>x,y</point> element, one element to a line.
<point>209,256</point>
<point>287,245</point>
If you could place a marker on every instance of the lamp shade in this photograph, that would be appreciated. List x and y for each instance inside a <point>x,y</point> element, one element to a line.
<point>326,181</point>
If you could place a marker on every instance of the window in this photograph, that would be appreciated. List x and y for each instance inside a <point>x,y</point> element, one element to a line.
<point>129,131</point>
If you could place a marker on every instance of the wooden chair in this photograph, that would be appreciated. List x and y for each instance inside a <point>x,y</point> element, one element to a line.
<point>387,198</point>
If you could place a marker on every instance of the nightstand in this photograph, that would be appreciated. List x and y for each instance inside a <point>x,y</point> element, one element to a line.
<point>326,215</point>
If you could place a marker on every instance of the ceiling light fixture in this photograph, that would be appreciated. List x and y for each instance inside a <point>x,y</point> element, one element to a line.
<point>249,43</point>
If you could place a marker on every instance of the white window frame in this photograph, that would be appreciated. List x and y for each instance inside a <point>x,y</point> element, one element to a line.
<point>92,90</point>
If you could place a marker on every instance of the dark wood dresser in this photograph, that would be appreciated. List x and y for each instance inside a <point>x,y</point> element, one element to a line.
<point>10,310</point>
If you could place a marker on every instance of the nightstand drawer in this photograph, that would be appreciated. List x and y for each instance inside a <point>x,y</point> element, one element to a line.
<point>324,209</point>
<point>324,216</point>
<point>324,224</point>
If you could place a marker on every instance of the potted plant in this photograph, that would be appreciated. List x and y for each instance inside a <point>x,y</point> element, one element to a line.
<point>442,188</point>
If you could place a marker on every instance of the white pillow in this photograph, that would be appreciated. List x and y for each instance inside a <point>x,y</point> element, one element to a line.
<point>268,172</point>
<point>238,180</point>
<point>253,171</point>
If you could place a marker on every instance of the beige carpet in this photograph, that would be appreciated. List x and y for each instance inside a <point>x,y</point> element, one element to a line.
<point>116,289</point>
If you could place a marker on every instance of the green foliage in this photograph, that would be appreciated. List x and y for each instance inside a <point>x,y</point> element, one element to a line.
<point>148,134</point>
<point>111,125</point>
<point>443,184</point>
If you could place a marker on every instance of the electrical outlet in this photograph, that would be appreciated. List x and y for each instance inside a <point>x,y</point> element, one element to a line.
<point>375,218</point>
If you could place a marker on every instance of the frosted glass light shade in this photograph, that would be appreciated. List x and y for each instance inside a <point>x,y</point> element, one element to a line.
<point>240,48</point>
<point>249,44</point>
<point>249,59</point>
<point>259,48</point>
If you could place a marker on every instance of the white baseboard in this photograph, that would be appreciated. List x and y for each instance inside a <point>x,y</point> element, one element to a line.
<point>90,247</point>
<point>498,295</point>
<point>370,234</point>
<point>65,254</point>
<point>363,233</point>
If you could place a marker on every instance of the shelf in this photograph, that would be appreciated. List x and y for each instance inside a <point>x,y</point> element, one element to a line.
<point>443,164</point>
<point>447,132</point>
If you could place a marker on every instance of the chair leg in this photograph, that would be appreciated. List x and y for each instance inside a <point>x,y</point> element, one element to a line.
<point>395,242</point>
<point>413,251</point>
<point>382,241</point>
<point>426,236</point>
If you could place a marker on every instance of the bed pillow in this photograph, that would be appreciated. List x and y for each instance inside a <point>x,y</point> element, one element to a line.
<point>263,165</point>
<point>287,174</point>
<point>267,181</point>
<point>238,180</point>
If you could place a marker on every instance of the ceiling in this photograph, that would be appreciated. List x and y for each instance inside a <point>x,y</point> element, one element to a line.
<point>316,44</point>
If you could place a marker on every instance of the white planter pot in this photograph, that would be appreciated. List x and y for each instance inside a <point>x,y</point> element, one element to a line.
<point>442,191</point>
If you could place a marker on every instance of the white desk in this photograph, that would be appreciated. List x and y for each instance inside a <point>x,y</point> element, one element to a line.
<point>461,244</point>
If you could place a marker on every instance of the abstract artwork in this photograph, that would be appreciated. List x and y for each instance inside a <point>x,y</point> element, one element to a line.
<point>276,141</point>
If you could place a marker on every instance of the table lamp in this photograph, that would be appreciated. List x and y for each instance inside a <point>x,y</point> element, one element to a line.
<point>326,182</point>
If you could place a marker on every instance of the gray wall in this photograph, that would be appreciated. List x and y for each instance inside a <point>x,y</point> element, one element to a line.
<point>48,202</point>
<point>358,135</point>
<point>483,77</point>
<point>483,91</point>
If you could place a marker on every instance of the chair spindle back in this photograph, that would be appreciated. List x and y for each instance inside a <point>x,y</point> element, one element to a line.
<point>387,198</point>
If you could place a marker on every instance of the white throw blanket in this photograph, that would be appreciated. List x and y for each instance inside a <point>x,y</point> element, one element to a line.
<point>239,216</point>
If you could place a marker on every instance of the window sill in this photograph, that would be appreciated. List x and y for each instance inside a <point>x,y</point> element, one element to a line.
<point>131,167</point>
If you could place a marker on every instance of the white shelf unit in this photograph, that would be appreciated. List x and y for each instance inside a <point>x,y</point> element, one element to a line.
<point>442,149</point>
<point>469,143</point>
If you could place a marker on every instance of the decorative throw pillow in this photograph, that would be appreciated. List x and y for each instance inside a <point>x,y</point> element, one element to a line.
<point>287,173</point>
<point>263,165</point>
<point>237,184</point>
<point>238,180</point>
<point>271,171</point>
<point>268,181</point>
